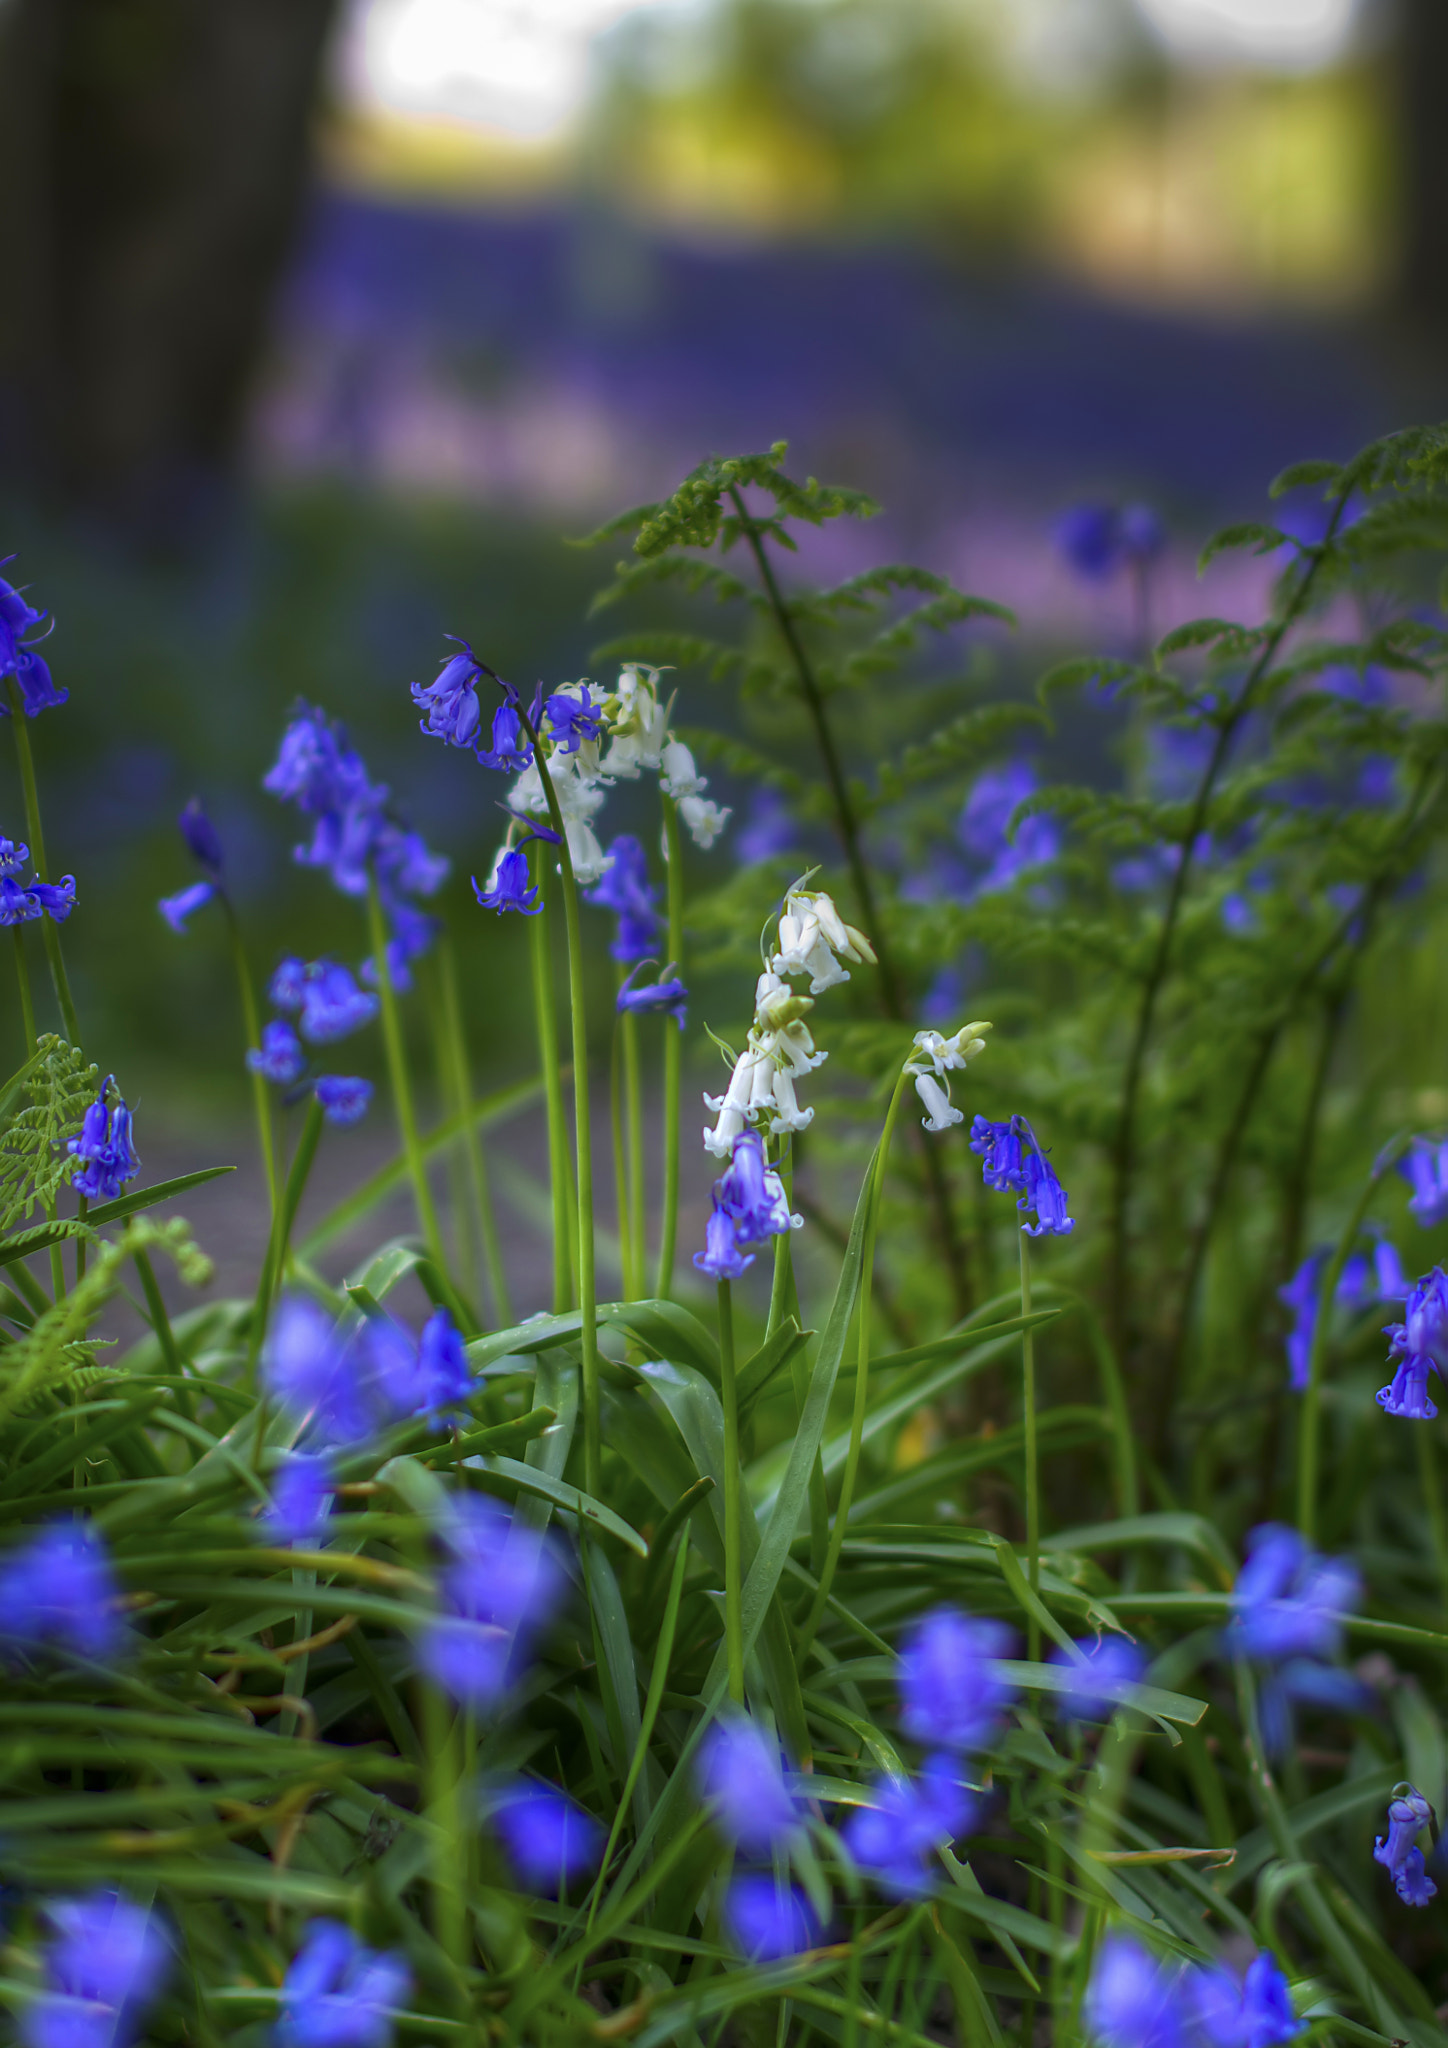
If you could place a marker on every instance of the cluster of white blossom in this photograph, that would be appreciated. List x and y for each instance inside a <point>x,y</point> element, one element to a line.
<point>934,1060</point>
<point>813,939</point>
<point>636,723</point>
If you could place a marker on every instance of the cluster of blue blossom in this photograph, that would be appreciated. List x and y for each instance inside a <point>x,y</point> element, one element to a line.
<point>1288,1606</point>
<point>1098,539</point>
<point>749,1206</point>
<point>1136,2001</point>
<point>1012,1162</point>
<point>21,902</point>
<point>328,1005</point>
<point>18,656</point>
<point>104,1153</point>
<point>107,1963</point>
<point>343,1383</point>
<point>339,1993</point>
<point>354,838</point>
<point>203,843</point>
<point>58,1592</point>
<point>1420,1345</point>
<point>627,891</point>
<point>569,724</point>
<point>1365,1278</point>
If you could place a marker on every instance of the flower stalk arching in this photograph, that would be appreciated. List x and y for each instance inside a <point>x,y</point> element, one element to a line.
<point>49,934</point>
<point>673,1055</point>
<point>733,1499</point>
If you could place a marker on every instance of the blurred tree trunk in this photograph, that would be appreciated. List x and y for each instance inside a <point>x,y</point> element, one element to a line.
<point>1423,160</point>
<point>153,159</point>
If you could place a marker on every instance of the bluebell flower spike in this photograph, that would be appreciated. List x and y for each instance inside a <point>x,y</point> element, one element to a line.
<point>897,1836</point>
<point>104,1151</point>
<point>1013,1162</point>
<point>107,1964</point>
<point>58,1591</point>
<point>18,656</point>
<point>1409,1813</point>
<point>952,1693</point>
<point>1420,1345</point>
<point>739,1774</point>
<point>1424,1166</point>
<point>339,1993</point>
<point>749,1206</point>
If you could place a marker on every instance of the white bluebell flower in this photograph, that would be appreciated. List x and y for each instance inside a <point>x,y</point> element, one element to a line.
<point>814,938</point>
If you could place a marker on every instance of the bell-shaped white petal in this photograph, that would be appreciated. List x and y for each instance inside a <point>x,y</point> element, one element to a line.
<point>942,1111</point>
<point>589,859</point>
<point>680,778</point>
<point>789,1116</point>
<point>703,819</point>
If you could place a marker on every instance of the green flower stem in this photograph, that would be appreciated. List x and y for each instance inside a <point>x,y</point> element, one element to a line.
<point>673,1052</point>
<point>1309,1428</point>
<point>455,1039</point>
<point>49,930</point>
<point>446,1804</point>
<point>22,974</point>
<point>82,1208</point>
<point>274,1264</point>
<point>620,1167</point>
<point>1433,1504</point>
<point>733,1500</point>
<point>401,1082</point>
<point>634,1132</point>
<point>582,1142</point>
<point>540,937</point>
<point>260,1094</point>
<point>862,1379</point>
<point>783,1252</point>
<point>1033,1474</point>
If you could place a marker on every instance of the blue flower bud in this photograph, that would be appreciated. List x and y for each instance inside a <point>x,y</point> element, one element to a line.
<point>200,836</point>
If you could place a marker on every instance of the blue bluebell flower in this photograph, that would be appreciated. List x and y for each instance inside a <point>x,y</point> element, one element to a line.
<point>721,1256</point>
<point>1287,1610</point>
<point>56,899</point>
<point>739,1774</point>
<point>952,1694</point>
<point>1425,1168</point>
<point>321,1380</point>
<point>201,836</point>
<point>499,1591</point>
<point>107,1963</point>
<point>1365,1278</point>
<point>668,997</point>
<point>185,904</point>
<point>333,1006</point>
<point>571,720</point>
<point>626,890</point>
<point>345,1098</point>
<point>339,1994</point>
<point>20,904</point>
<point>344,842</point>
<point>1408,1814</point>
<point>104,1149</point>
<point>17,905</point>
<point>1255,2013</point>
<point>897,1836</point>
<point>1001,1154</point>
<point>412,933</point>
<point>1045,1194</point>
<point>1096,1687</point>
<point>14,857</point>
<point>445,1381</point>
<point>510,884</point>
<point>451,701</point>
<point>1088,537</point>
<point>279,1057</point>
<point>1012,1161</point>
<point>768,829</point>
<point>406,863</point>
<point>511,750</point>
<point>289,983</point>
<point>301,1498</point>
<point>1420,1344</point>
<point>59,1589</point>
<point>317,768</point>
<point>1300,1295</point>
<point>767,1919</point>
<point>997,858</point>
<point>18,657</point>
<point>750,1206</point>
<point>548,1838</point>
<point>1133,2001</point>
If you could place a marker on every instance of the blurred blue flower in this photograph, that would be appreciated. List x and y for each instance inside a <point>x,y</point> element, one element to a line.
<point>301,1498</point>
<point>1420,1344</point>
<point>338,1994</point>
<point>200,836</point>
<point>548,1838</point>
<point>58,1588</point>
<point>1133,2001</point>
<point>279,1057</point>
<point>896,1837</point>
<point>951,1692</point>
<point>317,768</point>
<point>413,932</point>
<point>1425,1168</point>
<point>1255,2013</point>
<point>1238,915</point>
<point>338,1387</point>
<point>288,984</point>
<point>1287,1609</point>
<point>766,1919</point>
<point>500,1590</point>
<point>669,998</point>
<point>1363,1280</point>
<point>333,1006</point>
<point>18,658</point>
<point>185,903</point>
<point>405,863</point>
<point>510,886</point>
<point>1408,1814</point>
<point>1087,536</point>
<point>104,1149</point>
<point>767,830</point>
<point>345,1098</point>
<point>444,1379</point>
<point>997,859</point>
<point>626,890</point>
<point>1095,1686</point>
<point>107,1963</point>
<point>739,1773</point>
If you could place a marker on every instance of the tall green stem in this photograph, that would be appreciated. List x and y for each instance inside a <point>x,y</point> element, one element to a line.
<point>455,1039</point>
<point>620,1162</point>
<point>733,1500</point>
<point>1033,1476</point>
<point>401,1080</point>
<point>540,939</point>
<point>274,1264</point>
<point>673,1053</point>
<point>582,1141</point>
<point>783,1252</point>
<point>49,930</point>
<point>260,1095</point>
<point>862,1378</point>
<point>633,1105</point>
<point>1310,1425</point>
